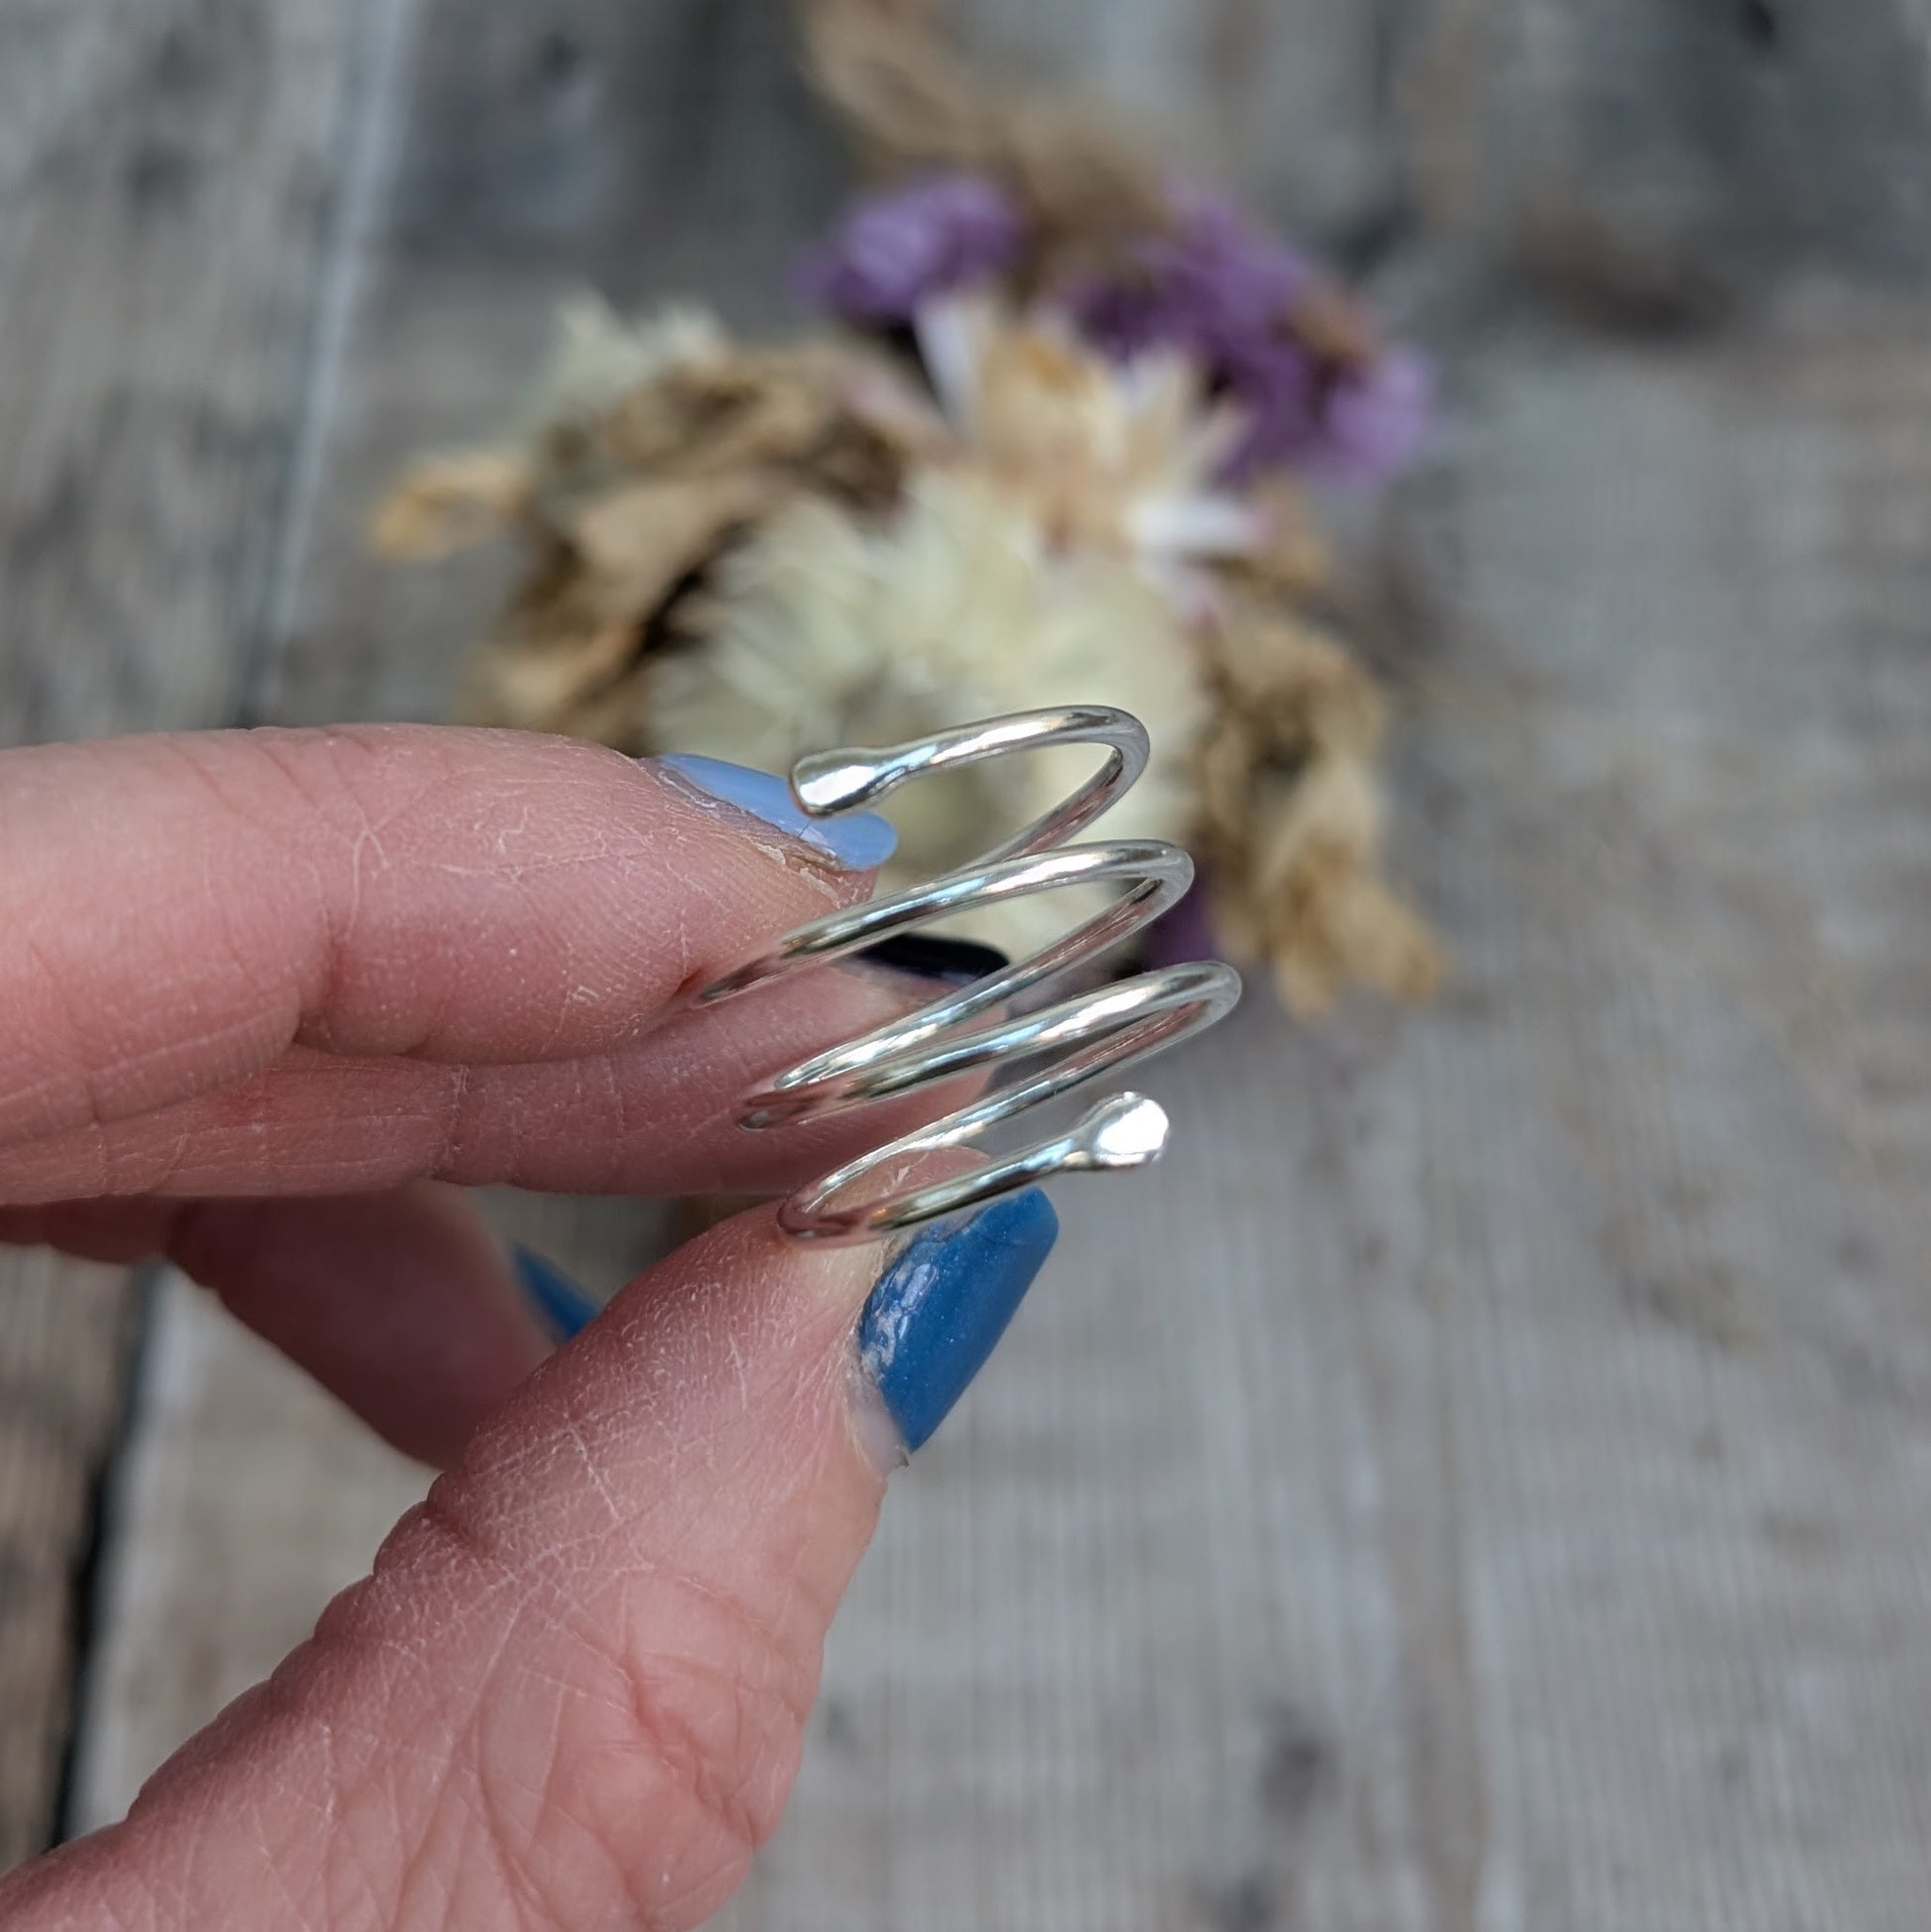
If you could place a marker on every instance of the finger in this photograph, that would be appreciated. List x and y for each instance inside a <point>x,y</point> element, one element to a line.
<point>178,911</point>
<point>572,1693</point>
<point>402,1304</point>
<point>656,1117</point>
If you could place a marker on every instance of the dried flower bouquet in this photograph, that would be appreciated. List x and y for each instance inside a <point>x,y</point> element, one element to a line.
<point>1051,443</point>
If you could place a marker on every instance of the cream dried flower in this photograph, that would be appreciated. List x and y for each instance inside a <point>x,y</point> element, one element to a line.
<point>1292,817</point>
<point>596,357</point>
<point>452,502</point>
<point>827,630</point>
<point>640,455</point>
<point>1122,456</point>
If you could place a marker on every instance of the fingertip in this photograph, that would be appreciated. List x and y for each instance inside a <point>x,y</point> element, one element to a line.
<point>601,1635</point>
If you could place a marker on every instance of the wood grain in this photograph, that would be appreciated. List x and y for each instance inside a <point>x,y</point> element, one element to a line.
<point>1290,100</point>
<point>64,1336</point>
<point>161,239</point>
<point>1658,162</point>
<point>1479,1480</point>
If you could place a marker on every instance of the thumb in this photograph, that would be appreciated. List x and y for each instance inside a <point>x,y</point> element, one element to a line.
<point>572,1694</point>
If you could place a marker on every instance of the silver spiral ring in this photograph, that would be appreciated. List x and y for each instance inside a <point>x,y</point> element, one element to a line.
<point>1083,1036</point>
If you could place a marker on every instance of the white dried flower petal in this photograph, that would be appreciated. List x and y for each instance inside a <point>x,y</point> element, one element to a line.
<point>596,357</point>
<point>829,632</point>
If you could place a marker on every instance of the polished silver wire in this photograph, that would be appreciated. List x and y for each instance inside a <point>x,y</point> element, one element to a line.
<point>1078,1037</point>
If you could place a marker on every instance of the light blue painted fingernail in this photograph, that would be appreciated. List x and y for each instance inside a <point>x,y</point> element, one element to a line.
<point>556,1301</point>
<point>857,842</point>
<point>938,1311</point>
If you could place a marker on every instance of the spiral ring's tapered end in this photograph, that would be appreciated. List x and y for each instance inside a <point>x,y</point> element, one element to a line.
<point>1128,1130</point>
<point>838,781</point>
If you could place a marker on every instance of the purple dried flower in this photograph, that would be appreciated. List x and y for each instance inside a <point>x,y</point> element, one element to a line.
<point>1230,296</point>
<point>1353,424</point>
<point>1183,933</point>
<point>1376,418</point>
<point>1214,284</point>
<point>898,248</point>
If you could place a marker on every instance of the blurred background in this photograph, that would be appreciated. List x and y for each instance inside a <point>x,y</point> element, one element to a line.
<point>1484,1479</point>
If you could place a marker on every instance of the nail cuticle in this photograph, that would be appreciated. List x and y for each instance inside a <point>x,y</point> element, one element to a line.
<point>875,1427</point>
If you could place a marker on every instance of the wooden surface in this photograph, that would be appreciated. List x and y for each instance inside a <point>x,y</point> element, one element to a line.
<point>1483,1481</point>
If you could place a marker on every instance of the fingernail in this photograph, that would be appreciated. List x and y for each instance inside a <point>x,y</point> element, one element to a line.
<point>940,1309</point>
<point>558,1303</point>
<point>857,842</point>
<point>951,961</point>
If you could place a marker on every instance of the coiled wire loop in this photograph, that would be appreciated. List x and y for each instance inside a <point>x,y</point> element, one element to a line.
<point>1081,1037</point>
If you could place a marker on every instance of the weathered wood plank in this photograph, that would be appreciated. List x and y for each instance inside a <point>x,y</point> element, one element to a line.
<point>62,1367</point>
<point>1658,160</point>
<point>165,186</point>
<point>158,252</point>
<point>1287,99</point>
<point>1661,1291</point>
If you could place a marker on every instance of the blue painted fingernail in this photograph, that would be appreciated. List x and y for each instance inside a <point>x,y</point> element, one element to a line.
<point>938,1311</point>
<point>556,1301</point>
<point>857,842</point>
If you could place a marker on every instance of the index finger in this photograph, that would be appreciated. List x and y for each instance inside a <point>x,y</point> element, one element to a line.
<point>176,911</point>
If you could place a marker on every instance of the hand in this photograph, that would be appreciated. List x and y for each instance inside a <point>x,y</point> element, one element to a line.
<point>263,997</point>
